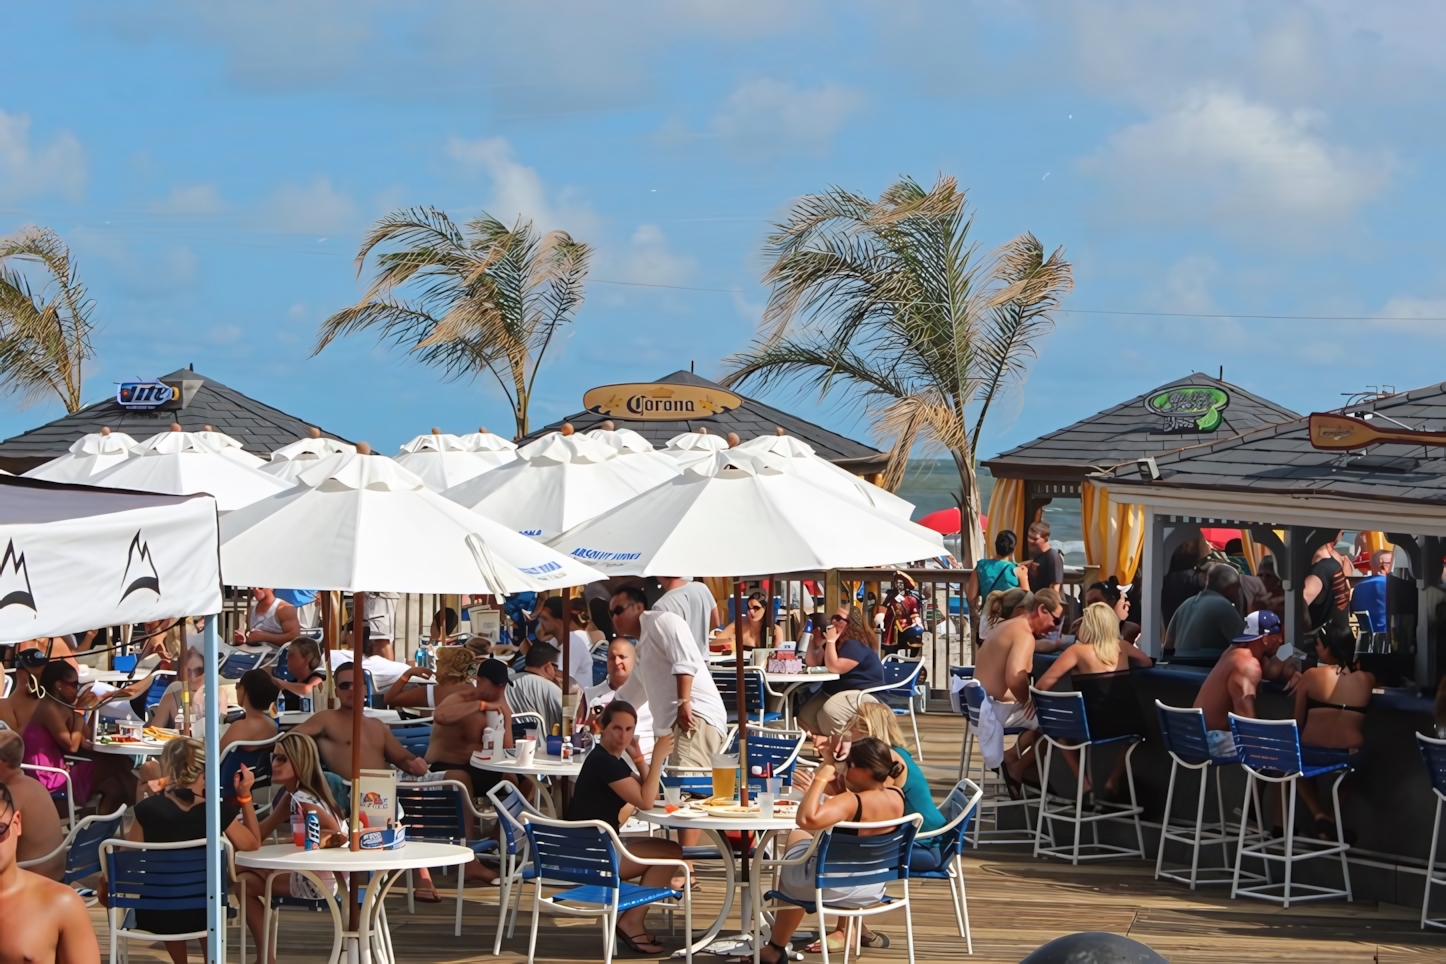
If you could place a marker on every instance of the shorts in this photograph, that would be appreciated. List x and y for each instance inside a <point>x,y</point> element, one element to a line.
<point>828,715</point>
<point>1020,717</point>
<point>481,780</point>
<point>696,747</point>
<point>1222,745</point>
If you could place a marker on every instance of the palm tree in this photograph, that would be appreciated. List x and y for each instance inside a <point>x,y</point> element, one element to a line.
<point>889,302</point>
<point>44,333</point>
<point>484,297</point>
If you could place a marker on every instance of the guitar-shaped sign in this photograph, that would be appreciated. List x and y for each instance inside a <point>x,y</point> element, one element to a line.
<point>1340,432</point>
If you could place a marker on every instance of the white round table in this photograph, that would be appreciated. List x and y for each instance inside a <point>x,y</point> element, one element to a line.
<point>110,676</point>
<point>785,683</point>
<point>387,865</point>
<point>143,748</point>
<point>290,718</point>
<point>541,766</point>
<point>716,828</point>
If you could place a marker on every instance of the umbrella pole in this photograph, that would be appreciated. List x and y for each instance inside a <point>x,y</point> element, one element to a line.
<point>742,713</point>
<point>185,682</point>
<point>328,643</point>
<point>567,713</point>
<point>358,702</point>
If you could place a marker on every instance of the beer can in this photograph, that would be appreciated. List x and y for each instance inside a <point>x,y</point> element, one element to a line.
<point>313,831</point>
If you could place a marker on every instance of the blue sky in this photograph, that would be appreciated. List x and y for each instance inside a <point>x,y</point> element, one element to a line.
<point>213,164</point>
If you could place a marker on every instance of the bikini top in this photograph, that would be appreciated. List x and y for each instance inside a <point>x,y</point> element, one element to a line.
<point>1311,703</point>
<point>859,812</point>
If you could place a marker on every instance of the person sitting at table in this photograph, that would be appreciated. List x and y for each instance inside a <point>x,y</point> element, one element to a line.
<point>551,628</point>
<point>456,667</point>
<point>622,658</point>
<point>19,706</point>
<point>169,711</point>
<point>255,693</point>
<point>1002,665</point>
<point>40,919</point>
<point>296,768</point>
<point>459,722</point>
<point>43,833</point>
<point>605,786</point>
<point>385,672</point>
<point>1099,666</point>
<point>303,662</point>
<point>878,721</point>
<point>752,626</point>
<point>332,731</point>
<point>273,620</point>
<point>537,688</point>
<point>1236,677</point>
<point>58,728</point>
<point>179,813</point>
<point>1331,700</point>
<point>865,796</point>
<point>847,647</point>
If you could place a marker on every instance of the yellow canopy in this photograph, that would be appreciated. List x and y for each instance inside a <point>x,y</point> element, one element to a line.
<point>1114,533</point>
<point>1006,511</point>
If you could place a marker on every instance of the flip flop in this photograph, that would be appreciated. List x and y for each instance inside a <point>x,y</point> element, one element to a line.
<point>427,896</point>
<point>835,946</point>
<point>636,944</point>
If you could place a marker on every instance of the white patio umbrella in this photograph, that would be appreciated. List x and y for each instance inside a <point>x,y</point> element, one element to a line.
<point>690,448</point>
<point>442,460</point>
<point>741,514</point>
<point>361,523</point>
<point>182,463</point>
<point>636,452</point>
<point>798,457</point>
<point>490,446</point>
<point>88,455</point>
<point>230,447</point>
<point>293,458</point>
<point>557,482</point>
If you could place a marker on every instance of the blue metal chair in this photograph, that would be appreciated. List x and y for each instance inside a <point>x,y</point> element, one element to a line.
<point>81,846</point>
<point>414,737</point>
<point>1064,725</point>
<point>753,689</point>
<point>1184,732</point>
<point>900,689</point>
<point>1270,751</point>
<point>587,854</point>
<point>996,797</point>
<point>521,722</point>
<point>123,664</point>
<point>844,860</point>
<point>599,670</point>
<point>159,682</point>
<point>439,812</point>
<point>1433,753</point>
<point>959,808</point>
<point>255,754</point>
<point>65,796</point>
<point>237,663</point>
<point>516,867</point>
<point>153,876</point>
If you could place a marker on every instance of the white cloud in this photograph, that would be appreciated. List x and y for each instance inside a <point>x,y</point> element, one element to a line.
<point>767,117</point>
<point>317,208</point>
<point>192,200</point>
<point>1216,156</point>
<point>1187,284</point>
<point>1420,316</point>
<point>650,259</point>
<point>518,190</point>
<point>30,170</point>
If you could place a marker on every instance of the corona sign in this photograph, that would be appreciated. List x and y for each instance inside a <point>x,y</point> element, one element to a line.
<point>659,402</point>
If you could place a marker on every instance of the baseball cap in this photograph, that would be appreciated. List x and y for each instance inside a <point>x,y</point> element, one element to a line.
<point>493,671</point>
<point>1258,624</point>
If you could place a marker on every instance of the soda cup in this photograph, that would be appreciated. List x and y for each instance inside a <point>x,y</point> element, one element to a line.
<point>298,829</point>
<point>313,831</point>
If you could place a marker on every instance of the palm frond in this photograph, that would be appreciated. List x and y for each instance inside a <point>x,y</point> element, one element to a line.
<point>44,333</point>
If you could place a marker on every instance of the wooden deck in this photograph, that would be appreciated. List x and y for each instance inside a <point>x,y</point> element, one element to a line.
<point>1016,903</point>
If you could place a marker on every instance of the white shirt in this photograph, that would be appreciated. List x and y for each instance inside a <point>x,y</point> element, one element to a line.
<point>603,693</point>
<point>695,603</point>
<point>580,653</point>
<point>666,649</point>
<point>384,671</point>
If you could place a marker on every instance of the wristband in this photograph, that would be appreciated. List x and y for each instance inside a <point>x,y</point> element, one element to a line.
<point>243,800</point>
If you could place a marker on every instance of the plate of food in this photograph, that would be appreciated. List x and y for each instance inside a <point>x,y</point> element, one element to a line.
<point>728,807</point>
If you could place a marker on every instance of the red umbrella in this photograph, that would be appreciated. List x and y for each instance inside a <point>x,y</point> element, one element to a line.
<point>946,521</point>
<point>1219,537</point>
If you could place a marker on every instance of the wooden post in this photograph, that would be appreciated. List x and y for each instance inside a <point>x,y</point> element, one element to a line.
<point>185,682</point>
<point>569,713</point>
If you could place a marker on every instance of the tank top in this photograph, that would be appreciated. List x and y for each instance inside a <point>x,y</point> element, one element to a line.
<point>265,620</point>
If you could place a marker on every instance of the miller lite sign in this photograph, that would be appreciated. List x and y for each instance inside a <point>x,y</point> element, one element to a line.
<point>145,394</point>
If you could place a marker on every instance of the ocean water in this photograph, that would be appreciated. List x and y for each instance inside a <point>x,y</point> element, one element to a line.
<point>933,484</point>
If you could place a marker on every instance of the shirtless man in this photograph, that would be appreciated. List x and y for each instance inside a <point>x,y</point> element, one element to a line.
<point>41,921</point>
<point>331,729</point>
<point>1231,685</point>
<point>34,803</point>
<point>1003,664</point>
<point>458,723</point>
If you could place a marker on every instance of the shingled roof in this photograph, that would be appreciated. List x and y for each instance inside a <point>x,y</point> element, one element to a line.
<point>259,428</point>
<point>1279,460</point>
<point>1130,431</point>
<point>750,420</point>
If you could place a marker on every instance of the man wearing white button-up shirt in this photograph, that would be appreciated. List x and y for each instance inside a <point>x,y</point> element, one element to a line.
<point>672,677</point>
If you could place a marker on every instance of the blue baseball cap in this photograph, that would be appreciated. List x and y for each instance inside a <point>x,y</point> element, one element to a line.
<point>1258,625</point>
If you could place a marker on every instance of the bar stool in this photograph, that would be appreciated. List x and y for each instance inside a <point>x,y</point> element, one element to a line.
<point>1183,730</point>
<point>1434,753</point>
<point>1270,751</point>
<point>1063,724</point>
<point>996,798</point>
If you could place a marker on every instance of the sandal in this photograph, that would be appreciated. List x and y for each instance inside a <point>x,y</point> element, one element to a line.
<point>782,957</point>
<point>641,944</point>
<point>835,945</point>
<point>876,939</point>
<point>427,896</point>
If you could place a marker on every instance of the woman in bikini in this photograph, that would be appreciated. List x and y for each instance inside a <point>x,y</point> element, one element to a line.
<point>859,794</point>
<point>1330,708</point>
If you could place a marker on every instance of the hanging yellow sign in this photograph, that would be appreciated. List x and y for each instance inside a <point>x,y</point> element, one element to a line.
<point>659,402</point>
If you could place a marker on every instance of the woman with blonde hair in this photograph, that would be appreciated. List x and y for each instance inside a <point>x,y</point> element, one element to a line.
<point>178,813</point>
<point>456,671</point>
<point>1099,667</point>
<point>296,767</point>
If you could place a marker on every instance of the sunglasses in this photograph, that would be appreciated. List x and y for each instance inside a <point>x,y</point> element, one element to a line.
<point>280,758</point>
<point>619,610</point>
<point>838,619</point>
<point>755,608</point>
<point>196,672</point>
<point>5,827</point>
<point>344,686</point>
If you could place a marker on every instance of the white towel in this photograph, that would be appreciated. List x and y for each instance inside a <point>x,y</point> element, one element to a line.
<point>991,730</point>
